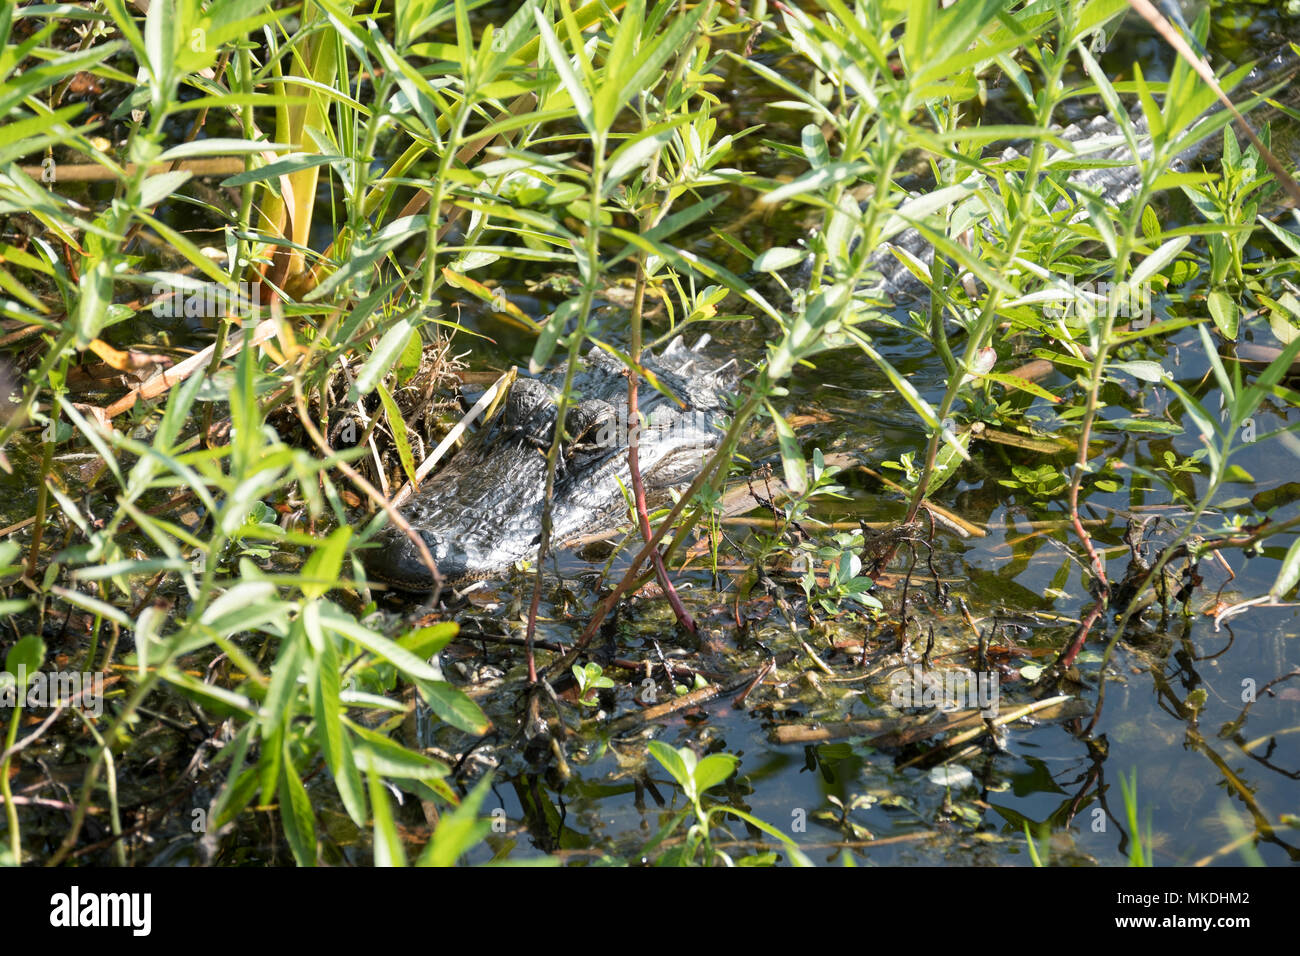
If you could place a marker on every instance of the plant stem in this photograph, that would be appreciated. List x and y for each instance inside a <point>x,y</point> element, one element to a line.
<point>11,810</point>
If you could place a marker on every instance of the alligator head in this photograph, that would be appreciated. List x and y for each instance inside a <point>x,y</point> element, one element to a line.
<point>482,512</point>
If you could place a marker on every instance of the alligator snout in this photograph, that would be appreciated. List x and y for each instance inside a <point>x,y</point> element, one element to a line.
<point>397,561</point>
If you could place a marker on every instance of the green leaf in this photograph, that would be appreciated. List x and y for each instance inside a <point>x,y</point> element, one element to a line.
<point>218,147</point>
<point>1153,263</point>
<point>330,735</point>
<point>157,188</point>
<point>792,460</point>
<point>460,830</point>
<point>637,151</point>
<point>1203,420</point>
<point>1224,312</point>
<point>296,814</point>
<point>160,47</point>
<point>398,427</point>
<point>1284,236</point>
<point>321,572</point>
<point>813,143</point>
<point>779,257</point>
<point>391,759</point>
<point>688,261</point>
<point>1288,574</point>
<point>94,606</point>
<point>797,856</point>
<point>815,180</point>
<point>388,350</point>
<point>245,607</point>
<point>676,763</point>
<point>345,624</point>
<point>1152,426</point>
<point>1145,370</point>
<point>572,85</point>
<point>293,163</point>
<point>276,709</point>
<point>1021,384</point>
<point>952,454</point>
<point>29,654</point>
<point>544,348</point>
<point>387,843</point>
<point>652,56</point>
<point>215,699</point>
<point>426,641</point>
<point>454,706</point>
<point>714,769</point>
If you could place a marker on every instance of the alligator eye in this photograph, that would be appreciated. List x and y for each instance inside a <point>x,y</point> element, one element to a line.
<point>591,427</point>
<point>527,403</point>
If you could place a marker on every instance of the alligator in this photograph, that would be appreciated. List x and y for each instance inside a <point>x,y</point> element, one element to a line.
<point>482,512</point>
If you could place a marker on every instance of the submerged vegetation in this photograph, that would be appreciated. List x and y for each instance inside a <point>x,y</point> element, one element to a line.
<point>248,248</point>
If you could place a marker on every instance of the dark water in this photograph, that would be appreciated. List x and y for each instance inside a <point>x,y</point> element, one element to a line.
<point>1197,789</point>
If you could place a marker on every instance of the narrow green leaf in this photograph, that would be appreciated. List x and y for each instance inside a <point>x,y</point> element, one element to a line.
<point>293,163</point>
<point>386,353</point>
<point>1288,574</point>
<point>572,85</point>
<point>345,624</point>
<point>619,63</point>
<point>296,814</point>
<point>1146,371</point>
<point>387,844</point>
<point>391,759</point>
<point>655,54</point>
<point>219,147</point>
<point>636,152</point>
<point>1153,263</point>
<point>397,425</point>
<point>792,460</point>
<point>779,257</point>
<point>331,736</point>
<point>815,180</point>
<point>544,347</point>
